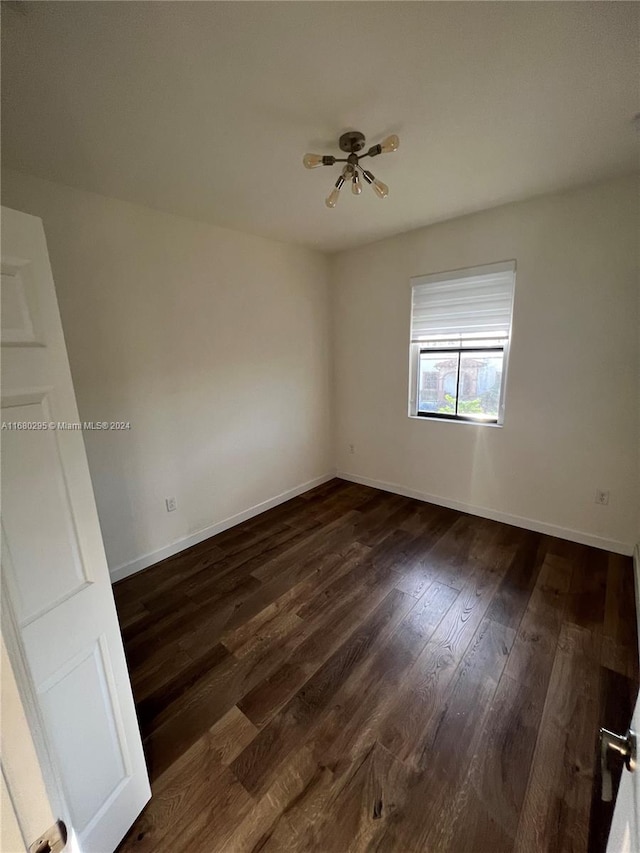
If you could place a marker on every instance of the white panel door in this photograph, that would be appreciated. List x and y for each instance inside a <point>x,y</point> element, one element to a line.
<point>54,567</point>
<point>625,827</point>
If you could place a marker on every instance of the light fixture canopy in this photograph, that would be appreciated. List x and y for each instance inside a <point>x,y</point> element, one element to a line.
<point>352,142</point>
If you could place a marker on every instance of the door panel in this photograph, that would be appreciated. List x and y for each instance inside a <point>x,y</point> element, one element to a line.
<point>56,545</point>
<point>54,563</point>
<point>20,324</point>
<point>72,727</point>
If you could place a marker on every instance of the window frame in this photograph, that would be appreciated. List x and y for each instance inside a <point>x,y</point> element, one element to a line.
<point>420,349</point>
<point>417,347</point>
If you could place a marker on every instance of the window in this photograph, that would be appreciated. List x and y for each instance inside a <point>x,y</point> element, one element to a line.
<point>460,329</point>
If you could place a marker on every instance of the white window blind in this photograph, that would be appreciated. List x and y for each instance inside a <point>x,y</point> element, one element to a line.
<point>475,302</point>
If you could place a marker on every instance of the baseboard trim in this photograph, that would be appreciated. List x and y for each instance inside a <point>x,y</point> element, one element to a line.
<point>146,560</point>
<point>495,515</point>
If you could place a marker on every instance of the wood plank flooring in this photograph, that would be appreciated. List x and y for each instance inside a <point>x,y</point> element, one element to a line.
<point>357,671</point>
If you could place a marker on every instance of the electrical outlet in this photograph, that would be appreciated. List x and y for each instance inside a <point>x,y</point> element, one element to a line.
<point>172,504</point>
<point>352,448</point>
<point>602,497</point>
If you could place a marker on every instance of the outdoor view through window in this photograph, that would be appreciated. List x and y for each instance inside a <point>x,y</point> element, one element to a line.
<point>459,381</point>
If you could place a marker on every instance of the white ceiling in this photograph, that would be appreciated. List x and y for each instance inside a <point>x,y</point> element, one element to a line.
<point>205,109</point>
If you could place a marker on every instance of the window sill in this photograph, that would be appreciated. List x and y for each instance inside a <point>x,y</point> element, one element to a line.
<point>454,421</point>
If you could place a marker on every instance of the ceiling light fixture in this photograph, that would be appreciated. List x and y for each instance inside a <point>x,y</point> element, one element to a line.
<point>352,142</point>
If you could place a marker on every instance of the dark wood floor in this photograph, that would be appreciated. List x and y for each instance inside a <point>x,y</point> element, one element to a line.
<point>358,671</point>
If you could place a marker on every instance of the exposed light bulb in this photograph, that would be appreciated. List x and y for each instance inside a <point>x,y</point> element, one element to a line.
<point>312,160</point>
<point>332,199</point>
<point>334,195</point>
<point>389,144</point>
<point>356,186</point>
<point>381,190</point>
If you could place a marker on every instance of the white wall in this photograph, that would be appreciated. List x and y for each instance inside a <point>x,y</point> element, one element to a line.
<point>571,421</point>
<point>212,343</point>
